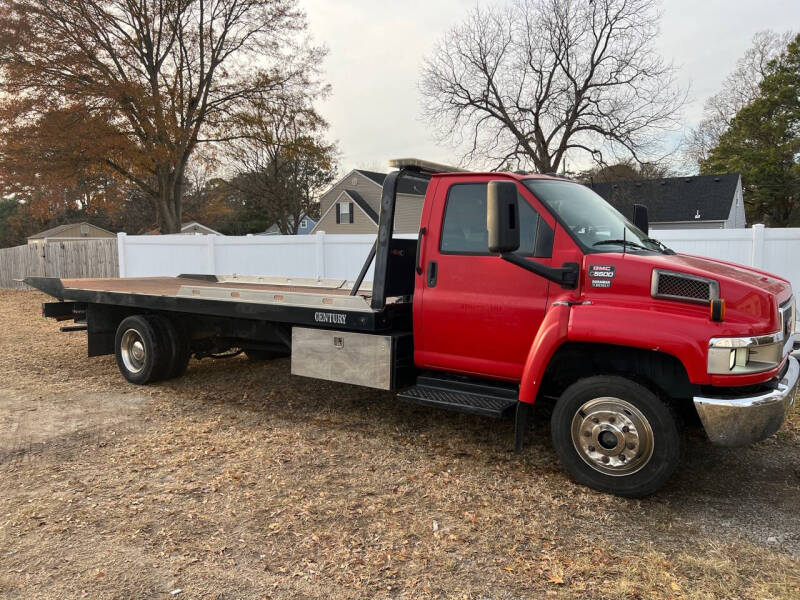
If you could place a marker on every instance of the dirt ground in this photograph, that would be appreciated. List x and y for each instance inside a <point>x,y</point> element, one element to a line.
<point>240,481</point>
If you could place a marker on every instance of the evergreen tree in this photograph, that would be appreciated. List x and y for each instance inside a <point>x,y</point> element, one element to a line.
<point>763,144</point>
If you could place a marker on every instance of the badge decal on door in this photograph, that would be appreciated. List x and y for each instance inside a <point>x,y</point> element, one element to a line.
<point>601,275</point>
<point>602,271</point>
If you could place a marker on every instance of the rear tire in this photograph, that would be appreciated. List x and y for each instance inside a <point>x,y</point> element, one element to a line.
<point>615,435</point>
<point>141,349</point>
<point>177,359</point>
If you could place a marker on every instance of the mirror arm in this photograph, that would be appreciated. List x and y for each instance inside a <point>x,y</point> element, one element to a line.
<point>566,276</point>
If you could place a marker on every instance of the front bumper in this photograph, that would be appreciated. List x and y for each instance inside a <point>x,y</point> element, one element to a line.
<point>743,421</point>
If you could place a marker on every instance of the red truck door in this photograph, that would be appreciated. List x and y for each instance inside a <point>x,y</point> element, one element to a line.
<point>474,312</point>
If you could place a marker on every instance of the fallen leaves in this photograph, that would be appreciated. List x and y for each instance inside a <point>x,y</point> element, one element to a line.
<point>346,493</point>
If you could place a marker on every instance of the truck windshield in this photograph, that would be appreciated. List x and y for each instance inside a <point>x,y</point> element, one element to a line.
<point>596,224</point>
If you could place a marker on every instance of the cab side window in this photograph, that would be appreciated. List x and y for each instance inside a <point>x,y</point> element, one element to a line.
<point>464,227</point>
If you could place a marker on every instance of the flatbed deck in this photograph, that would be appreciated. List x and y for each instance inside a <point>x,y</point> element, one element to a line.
<point>170,286</point>
<point>325,303</point>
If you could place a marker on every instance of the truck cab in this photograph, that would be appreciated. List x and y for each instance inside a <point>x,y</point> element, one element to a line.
<point>538,281</point>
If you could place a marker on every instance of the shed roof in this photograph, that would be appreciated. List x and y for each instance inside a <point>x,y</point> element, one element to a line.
<point>190,224</point>
<point>53,232</point>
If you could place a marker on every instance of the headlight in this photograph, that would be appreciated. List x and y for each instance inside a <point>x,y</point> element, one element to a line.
<point>787,316</point>
<point>738,356</point>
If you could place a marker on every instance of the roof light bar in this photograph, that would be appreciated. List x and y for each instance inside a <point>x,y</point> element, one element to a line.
<point>423,165</point>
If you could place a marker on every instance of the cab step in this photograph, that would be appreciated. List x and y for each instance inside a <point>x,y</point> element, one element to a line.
<point>463,395</point>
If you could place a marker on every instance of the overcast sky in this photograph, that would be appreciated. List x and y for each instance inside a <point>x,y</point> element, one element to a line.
<point>376,49</point>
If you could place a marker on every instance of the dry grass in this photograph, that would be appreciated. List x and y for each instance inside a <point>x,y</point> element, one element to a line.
<point>239,481</point>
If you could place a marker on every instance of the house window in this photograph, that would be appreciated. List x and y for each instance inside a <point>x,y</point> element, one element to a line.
<point>84,230</point>
<point>304,224</point>
<point>344,212</point>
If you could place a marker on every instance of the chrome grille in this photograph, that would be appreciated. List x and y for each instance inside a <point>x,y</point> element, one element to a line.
<point>682,286</point>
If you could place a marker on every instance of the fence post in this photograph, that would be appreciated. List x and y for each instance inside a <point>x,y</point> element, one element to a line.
<point>320,240</point>
<point>757,253</point>
<point>211,254</point>
<point>121,239</point>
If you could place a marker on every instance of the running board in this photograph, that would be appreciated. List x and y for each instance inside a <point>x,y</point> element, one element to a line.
<point>461,395</point>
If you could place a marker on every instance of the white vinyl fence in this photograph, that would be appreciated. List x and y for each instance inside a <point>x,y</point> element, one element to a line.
<point>318,256</point>
<point>775,250</point>
<point>336,256</point>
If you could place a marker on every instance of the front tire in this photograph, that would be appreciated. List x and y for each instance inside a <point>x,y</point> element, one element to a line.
<point>615,435</point>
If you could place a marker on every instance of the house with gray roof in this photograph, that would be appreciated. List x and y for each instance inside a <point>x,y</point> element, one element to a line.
<point>305,226</point>
<point>697,202</point>
<point>353,203</point>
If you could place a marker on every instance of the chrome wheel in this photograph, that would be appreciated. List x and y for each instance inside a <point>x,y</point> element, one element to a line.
<point>132,351</point>
<point>612,436</point>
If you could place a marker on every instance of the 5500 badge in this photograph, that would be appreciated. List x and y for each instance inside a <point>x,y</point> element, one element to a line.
<point>601,275</point>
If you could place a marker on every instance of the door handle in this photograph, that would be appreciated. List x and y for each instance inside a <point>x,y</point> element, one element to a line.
<point>418,268</point>
<point>433,272</point>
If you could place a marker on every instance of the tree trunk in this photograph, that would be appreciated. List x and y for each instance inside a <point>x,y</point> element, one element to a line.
<point>168,201</point>
<point>294,224</point>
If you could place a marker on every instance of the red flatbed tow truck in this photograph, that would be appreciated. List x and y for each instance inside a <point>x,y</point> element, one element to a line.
<point>519,288</point>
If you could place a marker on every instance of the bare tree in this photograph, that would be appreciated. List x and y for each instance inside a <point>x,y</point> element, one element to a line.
<point>628,170</point>
<point>143,82</point>
<point>739,89</point>
<point>282,160</point>
<point>531,81</point>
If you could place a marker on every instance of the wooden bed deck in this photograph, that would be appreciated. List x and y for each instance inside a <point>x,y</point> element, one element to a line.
<point>170,286</point>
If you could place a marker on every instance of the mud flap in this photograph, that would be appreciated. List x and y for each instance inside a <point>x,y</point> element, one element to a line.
<point>521,425</point>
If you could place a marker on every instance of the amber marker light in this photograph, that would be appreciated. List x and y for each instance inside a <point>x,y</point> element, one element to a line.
<point>717,310</point>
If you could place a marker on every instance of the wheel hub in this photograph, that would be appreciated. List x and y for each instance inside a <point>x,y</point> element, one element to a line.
<point>133,351</point>
<point>137,350</point>
<point>612,436</point>
<point>608,439</point>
